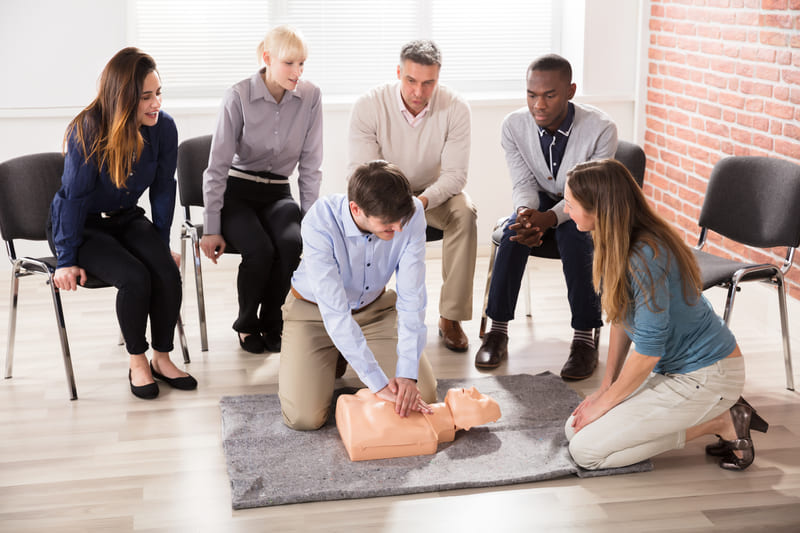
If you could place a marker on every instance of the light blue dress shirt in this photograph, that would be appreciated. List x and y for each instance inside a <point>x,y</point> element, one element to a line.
<point>344,269</point>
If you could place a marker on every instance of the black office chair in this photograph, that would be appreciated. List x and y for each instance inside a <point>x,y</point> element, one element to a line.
<point>754,201</point>
<point>27,186</point>
<point>629,154</point>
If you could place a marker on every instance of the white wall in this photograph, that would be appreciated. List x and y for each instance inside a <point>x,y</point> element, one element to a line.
<point>55,51</point>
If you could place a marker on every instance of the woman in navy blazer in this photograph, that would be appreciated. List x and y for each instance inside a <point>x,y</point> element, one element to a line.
<point>119,146</point>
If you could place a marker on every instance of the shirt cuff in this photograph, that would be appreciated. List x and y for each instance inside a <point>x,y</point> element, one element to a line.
<point>375,380</point>
<point>212,224</point>
<point>407,369</point>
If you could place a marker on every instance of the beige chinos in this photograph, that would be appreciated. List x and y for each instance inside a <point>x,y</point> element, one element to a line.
<point>308,358</point>
<point>457,218</point>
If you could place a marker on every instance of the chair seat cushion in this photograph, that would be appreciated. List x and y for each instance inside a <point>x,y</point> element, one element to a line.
<point>717,270</point>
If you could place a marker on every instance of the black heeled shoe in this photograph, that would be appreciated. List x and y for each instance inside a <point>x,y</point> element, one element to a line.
<point>182,383</point>
<point>251,343</point>
<point>744,419</point>
<point>721,448</point>
<point>145,392</point>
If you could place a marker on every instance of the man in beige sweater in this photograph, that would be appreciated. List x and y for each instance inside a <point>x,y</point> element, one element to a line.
<point>424,128</point>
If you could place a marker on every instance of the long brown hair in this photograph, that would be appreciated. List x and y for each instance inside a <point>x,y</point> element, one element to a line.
<point>623,221</point>
<point>107,128</point>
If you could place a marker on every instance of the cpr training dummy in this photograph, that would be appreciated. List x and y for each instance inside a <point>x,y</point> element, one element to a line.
<point>370,428</point>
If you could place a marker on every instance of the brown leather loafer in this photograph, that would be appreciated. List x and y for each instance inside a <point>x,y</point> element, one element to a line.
<point>581,363</point>
<point>493,350</point>
<point>452,334</point>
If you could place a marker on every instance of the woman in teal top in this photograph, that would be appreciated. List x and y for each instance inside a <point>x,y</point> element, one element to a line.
<point>684,377</point>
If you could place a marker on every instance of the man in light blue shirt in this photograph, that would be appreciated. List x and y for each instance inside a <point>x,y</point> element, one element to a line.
<point>352,245</point>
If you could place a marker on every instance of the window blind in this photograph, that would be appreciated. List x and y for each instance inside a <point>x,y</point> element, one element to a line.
<point>204,46</point>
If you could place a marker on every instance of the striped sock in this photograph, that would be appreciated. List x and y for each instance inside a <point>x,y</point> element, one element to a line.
<point>585,337</point>
<point>500,327</point>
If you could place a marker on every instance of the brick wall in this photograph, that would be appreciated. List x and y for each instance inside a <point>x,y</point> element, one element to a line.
<point>724,79</point>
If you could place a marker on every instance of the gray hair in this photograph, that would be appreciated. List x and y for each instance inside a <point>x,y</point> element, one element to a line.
<point>422,51</point>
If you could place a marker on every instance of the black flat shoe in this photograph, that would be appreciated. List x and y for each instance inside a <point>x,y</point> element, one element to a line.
<point>183,383</point>
<point>744,419</point>
<point>252,343</point>
<point>271,341</point>
<point>145,392</point>
<point>722,448</point>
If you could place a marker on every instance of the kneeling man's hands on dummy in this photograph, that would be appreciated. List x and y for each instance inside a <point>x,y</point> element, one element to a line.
<point>403,392</point>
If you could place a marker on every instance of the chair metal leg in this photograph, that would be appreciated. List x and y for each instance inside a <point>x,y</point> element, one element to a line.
<point>12,319</point>
<point>787,352</point>
<point>492,254</point>
<point>62,334</point>
<point>201,301</point>
<point>182,337</point>
<point>526,286</point>
<point>732,289</point>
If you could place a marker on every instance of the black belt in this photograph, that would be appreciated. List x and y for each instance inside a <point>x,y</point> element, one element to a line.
<point>115,213</point>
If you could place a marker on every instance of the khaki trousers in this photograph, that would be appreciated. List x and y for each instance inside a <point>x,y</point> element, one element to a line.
<point>308,358</point>
<point>457,218</point>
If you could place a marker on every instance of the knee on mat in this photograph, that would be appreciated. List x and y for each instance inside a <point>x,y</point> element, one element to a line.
<point>583,454</point>
<point>304,421</point>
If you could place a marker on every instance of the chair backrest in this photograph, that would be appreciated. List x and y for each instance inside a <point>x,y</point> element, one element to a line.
<point>754,200</point>
<point>632,156</point>
<point>192,162</point>
<point>27,186</point>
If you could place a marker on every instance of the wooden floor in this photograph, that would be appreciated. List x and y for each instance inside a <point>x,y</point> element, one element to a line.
<point>110,462</point>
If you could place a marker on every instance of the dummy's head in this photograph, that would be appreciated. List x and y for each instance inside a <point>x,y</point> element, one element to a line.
<point>471,408</point>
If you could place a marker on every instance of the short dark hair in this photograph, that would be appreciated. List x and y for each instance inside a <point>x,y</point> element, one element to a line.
<point>421,51</point>
<point>381,190</point>
<point>552,62</point>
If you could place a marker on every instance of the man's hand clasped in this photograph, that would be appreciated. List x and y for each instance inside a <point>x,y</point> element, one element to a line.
<point>531,225</point>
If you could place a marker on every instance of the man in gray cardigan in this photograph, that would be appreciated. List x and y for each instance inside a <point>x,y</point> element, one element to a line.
<point>542,142</point>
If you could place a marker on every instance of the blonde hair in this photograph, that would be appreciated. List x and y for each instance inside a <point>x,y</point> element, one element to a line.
<point>623,222</point>
<point>283,42</point>
<point>107,129</point>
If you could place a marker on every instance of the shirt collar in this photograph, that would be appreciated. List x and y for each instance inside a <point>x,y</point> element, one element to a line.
<point>259,91</point>
<point>350,228</point>
<point>565,128</point>
<point>411,119</point>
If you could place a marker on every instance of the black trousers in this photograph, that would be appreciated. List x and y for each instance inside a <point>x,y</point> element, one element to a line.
<point>262,221</point>
<point>126,251</point>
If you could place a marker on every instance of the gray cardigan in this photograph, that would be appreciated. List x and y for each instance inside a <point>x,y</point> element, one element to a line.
<point>593,136</point>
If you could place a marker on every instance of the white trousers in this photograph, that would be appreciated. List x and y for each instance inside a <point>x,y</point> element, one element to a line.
<point>654,418</point>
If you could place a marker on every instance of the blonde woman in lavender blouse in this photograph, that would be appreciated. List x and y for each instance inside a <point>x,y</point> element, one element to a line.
<point>268,125</point>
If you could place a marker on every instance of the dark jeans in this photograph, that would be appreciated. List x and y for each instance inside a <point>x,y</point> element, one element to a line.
<point>126,251</point>
<point>262,222</point>
<point>576,250</point>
